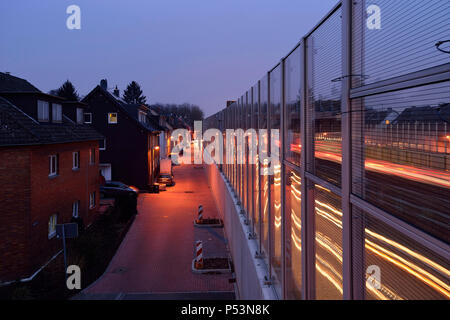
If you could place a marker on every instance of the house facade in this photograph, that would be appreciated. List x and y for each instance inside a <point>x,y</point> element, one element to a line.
<point>130,150</point>
<point>49,173</point>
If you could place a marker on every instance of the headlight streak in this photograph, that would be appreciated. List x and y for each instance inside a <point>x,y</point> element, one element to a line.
<point>296,220</point>
<point>329,246</point>
<point>328,276</point>
<point>384,293</point>
<point>426,277</point>
<point>418,256</point>
<point>297,241</point>
<point>426,176</point>
<point>277,222</point>
<point>409,267</point>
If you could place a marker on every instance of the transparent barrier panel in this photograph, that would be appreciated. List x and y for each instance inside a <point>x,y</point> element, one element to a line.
<point>328,226</point>
<point>401,155</point>
<point>293,239</point>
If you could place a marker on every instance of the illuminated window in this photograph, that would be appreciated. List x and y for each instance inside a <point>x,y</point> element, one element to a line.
<point>112,118</point>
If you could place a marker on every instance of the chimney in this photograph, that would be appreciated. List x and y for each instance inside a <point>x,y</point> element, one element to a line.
<point>229,103</point>
<point>104,84</point>
<point>117,92</point>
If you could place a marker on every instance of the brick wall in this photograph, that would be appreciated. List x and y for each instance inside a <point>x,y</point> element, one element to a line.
<point>29,197</point>
<point>14,208</point>
<point>55,195</point>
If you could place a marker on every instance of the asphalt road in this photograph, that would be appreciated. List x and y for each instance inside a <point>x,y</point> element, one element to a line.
<point>154,260</point>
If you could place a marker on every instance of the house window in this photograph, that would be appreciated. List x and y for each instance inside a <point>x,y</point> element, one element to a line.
<point>52,226</point>
<point>43,111</point>
<point>75,207</point>
<point>92,200</point>
<point>92,156</point>
<point>80,116</point>
<point>76,160</point>
<point>56,112</point>
<point>142,117</point>
<point>112,118</point>
<point>88,118</point>
<point>53,165</point>
<point>102,144</point>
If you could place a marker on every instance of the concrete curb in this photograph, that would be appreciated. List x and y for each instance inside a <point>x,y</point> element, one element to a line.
<point>221,225</point>
<point>206,271</point>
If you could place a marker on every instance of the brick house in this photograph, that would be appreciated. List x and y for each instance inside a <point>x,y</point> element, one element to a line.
<point>130,151</point>
<point>49,174</point>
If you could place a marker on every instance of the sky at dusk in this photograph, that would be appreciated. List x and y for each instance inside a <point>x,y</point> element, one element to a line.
<point>202,52</point>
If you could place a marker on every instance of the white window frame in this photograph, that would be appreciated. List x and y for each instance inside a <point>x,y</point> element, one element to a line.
<point>104,145</point>
<point>56,112</point>
<point>52,222</point>
<point>80,116</point>
<point>43,111</point>
<point>92,200</point>
<point>109,118</point>
<point>53,166</point>
<point>76,209</point>
<point>76,160</point>
<point>90,117</point>
<point>142,117</point>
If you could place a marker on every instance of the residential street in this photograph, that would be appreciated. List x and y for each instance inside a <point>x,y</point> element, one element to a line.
<point>154,260</point>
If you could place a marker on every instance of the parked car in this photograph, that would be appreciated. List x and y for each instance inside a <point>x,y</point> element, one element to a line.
<point>125,196</point>
<point>113,189</point>
<point>167,179</point>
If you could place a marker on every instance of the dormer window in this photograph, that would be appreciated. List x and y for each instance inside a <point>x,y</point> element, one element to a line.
<point>142,117</point>
<point>56,112</point>
<point>43,110</point>
<point>80,115</point>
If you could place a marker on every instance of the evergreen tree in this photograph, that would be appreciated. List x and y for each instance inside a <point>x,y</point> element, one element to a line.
<point>133,94</point>
<point>67,90</point>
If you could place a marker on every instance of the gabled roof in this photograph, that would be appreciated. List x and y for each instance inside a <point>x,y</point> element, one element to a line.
<point>9,83</point>
<point>17,128</point>
<point>129,109</point>
<point>133,111</point>
<point>425,114</point>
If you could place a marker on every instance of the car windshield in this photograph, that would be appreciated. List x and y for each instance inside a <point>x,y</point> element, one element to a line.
<point>116,185</point>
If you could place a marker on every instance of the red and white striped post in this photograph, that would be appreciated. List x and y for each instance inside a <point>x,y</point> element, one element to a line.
<point>199,255</point>
<point>200,213</point>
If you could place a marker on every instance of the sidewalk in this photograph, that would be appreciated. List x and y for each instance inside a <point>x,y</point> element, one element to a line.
<point>154,260</point>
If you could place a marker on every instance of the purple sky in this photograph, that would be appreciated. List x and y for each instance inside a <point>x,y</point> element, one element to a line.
<point>200,51</point>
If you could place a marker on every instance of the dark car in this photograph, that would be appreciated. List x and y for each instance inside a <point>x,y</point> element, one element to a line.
<point>113,189</point>
<point>167,179</point>
<point>124,195</point>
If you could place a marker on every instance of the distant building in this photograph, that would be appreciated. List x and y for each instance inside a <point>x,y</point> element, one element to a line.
<point>49,174</point>
<point>130,152</point>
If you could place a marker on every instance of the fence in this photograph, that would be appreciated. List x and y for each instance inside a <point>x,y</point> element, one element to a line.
<point>360,206</point>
